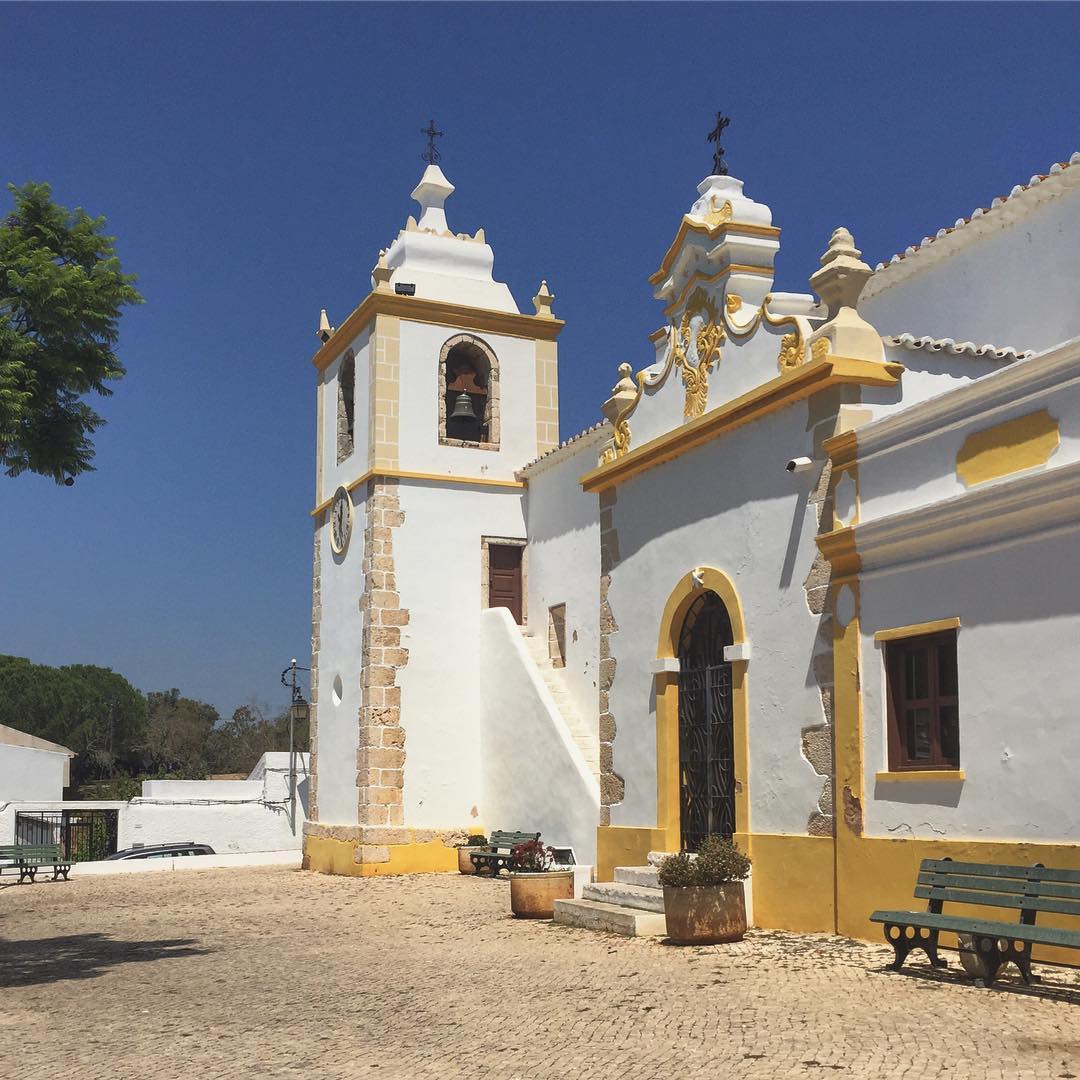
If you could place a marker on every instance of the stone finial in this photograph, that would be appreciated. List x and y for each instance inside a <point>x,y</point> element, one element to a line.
<point>623,394</point>
<point>431,193</point>
<point>325,331</point>
<point>839,283</point>
<point>542,301</point>
<point>381,273</point>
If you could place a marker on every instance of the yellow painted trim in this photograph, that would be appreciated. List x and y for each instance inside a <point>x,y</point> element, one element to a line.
<point>405,474</point>
<point>619,845</point>
<point>838,547</point>
<point>935,626</point>
<point>697,277</point>
<point>328,856</point>
<point>689,224</point>
<point>418,309</point>
<point>786,389</point>
<point>667,703</point>
<point>843,449</point>
<point>919,776</point>
<point>792,881</point>
<point>1023,443</point>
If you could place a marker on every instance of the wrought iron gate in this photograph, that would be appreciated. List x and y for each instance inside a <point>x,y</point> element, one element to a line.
<point>83,835</point>
<point>706,733</point>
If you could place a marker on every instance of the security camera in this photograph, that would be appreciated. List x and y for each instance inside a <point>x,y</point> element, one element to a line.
<point>799,464</point>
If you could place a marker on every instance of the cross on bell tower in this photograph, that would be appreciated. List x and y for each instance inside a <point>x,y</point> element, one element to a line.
<point>719,166</point>
<point>431,155</point>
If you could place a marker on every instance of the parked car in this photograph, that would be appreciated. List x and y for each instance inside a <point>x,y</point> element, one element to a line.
<point>163,851</point>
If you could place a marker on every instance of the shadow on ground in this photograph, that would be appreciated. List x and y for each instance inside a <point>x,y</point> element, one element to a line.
<point>1053,985</point>
<point>81,956</point>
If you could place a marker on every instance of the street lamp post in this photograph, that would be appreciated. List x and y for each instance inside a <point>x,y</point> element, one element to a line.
<point>299,710</point>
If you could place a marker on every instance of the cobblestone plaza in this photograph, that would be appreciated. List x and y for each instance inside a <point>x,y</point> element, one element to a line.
<point>276,973</point>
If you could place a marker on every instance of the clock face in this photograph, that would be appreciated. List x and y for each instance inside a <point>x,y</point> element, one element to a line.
<point>341,511</point>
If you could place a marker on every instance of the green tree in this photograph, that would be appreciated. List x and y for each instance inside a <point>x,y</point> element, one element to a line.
<point>91,710</point>
<point>177,731</point>
<point>61,291</point>
<point>236,745</point>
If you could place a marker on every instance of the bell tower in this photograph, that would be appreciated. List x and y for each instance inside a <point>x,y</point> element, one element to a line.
<point>430,396</point>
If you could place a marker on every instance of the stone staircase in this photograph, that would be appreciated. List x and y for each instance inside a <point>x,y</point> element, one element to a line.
<point>632,905</point>
<point>588,741</point>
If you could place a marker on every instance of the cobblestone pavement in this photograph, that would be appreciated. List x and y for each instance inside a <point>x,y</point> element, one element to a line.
<point>277,973</point>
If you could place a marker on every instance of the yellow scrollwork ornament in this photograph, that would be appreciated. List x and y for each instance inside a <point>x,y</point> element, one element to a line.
<point>710,335</point>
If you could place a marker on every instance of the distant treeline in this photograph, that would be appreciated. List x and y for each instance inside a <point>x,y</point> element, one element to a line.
<point>122,736</point>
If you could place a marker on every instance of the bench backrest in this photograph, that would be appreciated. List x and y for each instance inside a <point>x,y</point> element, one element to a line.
<point>29,852</point>
<point>512,839</point>
<point>1028,889</point>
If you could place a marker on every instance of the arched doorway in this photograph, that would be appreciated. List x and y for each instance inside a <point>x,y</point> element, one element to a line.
<point>706,728</point>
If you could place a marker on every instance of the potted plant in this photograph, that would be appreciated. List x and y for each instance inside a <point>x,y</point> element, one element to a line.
<point>464,862</point>
<point>534,884</point>
<point>704,899</point>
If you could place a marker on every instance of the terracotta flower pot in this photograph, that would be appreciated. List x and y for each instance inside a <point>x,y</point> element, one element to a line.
<point>464,860</point>
<point>705,914</point>
<point>533,896</point>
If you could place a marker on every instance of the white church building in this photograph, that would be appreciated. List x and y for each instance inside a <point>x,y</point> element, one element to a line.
<point>813,582</point>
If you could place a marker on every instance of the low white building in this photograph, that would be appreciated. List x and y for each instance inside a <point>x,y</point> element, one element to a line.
<point>232,816</point>
<point>811,584</point>
<point>32,768</point>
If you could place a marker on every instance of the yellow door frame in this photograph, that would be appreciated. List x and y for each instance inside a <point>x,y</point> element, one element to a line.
<point>688,589</point>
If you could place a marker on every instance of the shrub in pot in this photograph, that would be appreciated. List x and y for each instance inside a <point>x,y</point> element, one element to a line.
<point>464,862</point>
<point>535,884</point>
<point>704,900</point>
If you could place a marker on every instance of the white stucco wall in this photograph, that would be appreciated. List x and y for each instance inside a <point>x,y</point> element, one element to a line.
<point>202,789</point>
<point>729,505</point>
<point>235,826</point>
<point>29,773</point>
<point>534,776</point>
<point>418,445</point>
<point>564,568</point>
<point>340,636</point>
<point>356,464</point>
<point>1012,284</point>
<point>437,560</point>
<point>1019,684</point>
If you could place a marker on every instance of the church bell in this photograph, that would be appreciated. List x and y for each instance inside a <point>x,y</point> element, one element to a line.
<point>463,408</point>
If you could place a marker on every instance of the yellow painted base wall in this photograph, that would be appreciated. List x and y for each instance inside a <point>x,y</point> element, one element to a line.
<point>792,881</point>
<point>618,845</point>
<point>326,856</point>
<point>878,874</point>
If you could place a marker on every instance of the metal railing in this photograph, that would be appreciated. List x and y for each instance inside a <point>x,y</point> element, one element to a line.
<point>83,835</point>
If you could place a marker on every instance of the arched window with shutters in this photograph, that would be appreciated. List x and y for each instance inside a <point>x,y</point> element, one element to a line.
<point>346,406</point>
<point>468,394</point>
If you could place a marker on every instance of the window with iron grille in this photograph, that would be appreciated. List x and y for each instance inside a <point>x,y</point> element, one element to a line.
<point>924,712</point>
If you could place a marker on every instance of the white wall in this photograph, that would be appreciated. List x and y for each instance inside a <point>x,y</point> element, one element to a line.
<point>564,568</point>
<point>356,464</point>
<point>202,789</point>
<point>1019,684</point>
<point>29,773</point>
<point>340,634</point>
<point>437,559</point>
<point>534,776</point>
<point>1013,285</point>
<point>235,826</point>
<point>730,505</point>
<point>418,432</point>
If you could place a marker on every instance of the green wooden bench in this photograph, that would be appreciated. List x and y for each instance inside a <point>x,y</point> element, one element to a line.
<point>496,856</point>
<point>29,858</point>
<point>1027,889</point>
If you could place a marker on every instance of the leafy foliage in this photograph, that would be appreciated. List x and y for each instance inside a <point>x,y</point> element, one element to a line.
<point>718,862</point>
<point>61,291</point>
<point>477,841</point>
<point>532,857</point>
<point>91,710</point>
<point>122,737</point>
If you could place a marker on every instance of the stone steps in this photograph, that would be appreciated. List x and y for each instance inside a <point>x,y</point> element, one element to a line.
<point>646,876</point>
<point>640,897</point>
<point>610,918</point>
<point>588,742</point>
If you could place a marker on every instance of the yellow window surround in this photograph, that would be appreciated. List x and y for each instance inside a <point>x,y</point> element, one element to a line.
<point>918,629</point>
<point>913,776</point>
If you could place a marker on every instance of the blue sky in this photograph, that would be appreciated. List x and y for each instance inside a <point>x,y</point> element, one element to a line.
<point>252,159</point>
